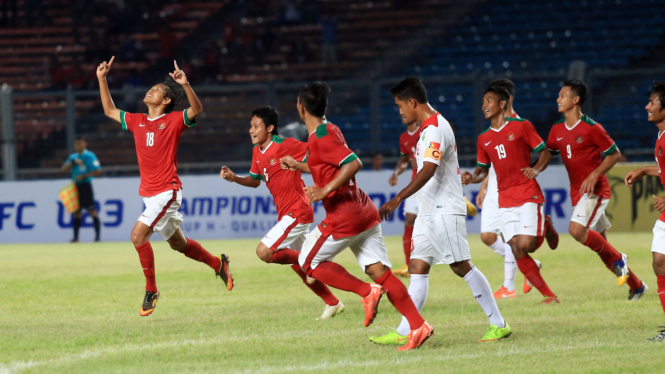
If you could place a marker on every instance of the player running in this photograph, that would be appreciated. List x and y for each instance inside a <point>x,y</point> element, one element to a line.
<point>580,141</point>
<point>507,146</point>
<point>439,235</point>
<point>352,220</point>
<point>656,115</point>
<point>490,223</point>
<point>156,136</point>
<point>407,148</point>
<point>282,243</point>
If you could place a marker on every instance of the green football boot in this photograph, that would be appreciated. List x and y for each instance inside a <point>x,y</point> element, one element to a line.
<point>496,333</point>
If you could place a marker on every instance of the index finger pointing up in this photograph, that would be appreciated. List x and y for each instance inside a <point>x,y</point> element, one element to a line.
<point>176,65</point>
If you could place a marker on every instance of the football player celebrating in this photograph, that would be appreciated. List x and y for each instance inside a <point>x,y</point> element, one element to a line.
<point>656,115</point>
<point>439,234</point>
<point>281,245</point>
<point>352,220</point>
<point>580,141</point>
<point>507,146</point>
<point>156,136</point>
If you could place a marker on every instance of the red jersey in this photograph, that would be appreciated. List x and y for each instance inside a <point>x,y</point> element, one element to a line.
<point>580,147</point>
<point>156,141</point>
<point>349,211</point>
<point>407,147</point>
<point>286,187</point>
<point>508,149</point>
<point>660,161</point>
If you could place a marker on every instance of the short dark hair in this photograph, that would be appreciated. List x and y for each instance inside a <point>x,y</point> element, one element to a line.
<point>658,88</point>
<point>410,88</point>
<point>505,83</point>
<point>314,97</point>
<point>173,91</point>
<point>503,93</point>
<point>269,116</point>
<point>578,88</point>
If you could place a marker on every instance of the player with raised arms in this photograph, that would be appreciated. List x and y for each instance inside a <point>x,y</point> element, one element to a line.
<point>407,149</point>
<point>439,234</point>
<point>507,146</point>
<point>580,141</point>
<point>156,136</point>
<point>656,115</point>
<point>490,219</point>
<point>352,220</point>
<point>281,245</point>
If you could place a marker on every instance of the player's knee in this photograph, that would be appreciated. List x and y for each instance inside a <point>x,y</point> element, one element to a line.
<point>577,231</point>
<point>488,238</point>
<point>264,253</point>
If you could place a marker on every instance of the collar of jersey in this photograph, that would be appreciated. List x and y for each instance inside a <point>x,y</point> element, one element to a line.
<point>317,127</point>
<point>429,121</point>
<point>156,118</point>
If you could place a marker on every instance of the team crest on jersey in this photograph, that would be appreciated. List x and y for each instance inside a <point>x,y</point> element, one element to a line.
<point>511,136</point>
<point>162,125</point>
<point>272,161</point>
<point>579,139</point>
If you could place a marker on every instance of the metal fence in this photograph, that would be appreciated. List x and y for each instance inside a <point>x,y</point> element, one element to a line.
<point>39,127</point>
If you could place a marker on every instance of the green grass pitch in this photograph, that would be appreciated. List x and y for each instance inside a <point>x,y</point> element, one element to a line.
<point>73,308</point>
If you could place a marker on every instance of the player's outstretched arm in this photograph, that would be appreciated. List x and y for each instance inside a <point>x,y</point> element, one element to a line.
<point>109,108</point>
<point>399,169</point>
<point>478,176</point>
<point>421,179</point>
<point>543,161</point>
<point>230,176</point>
<point>344,176</point>
<point>195,106</point>
<point>608,163</point>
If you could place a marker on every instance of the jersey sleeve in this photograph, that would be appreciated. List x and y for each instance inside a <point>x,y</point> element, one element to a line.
<point>129,120</point>
<point>532,138</point>
<point>296,149</point>
<point>602,139</point>
<point>333,149</point>
<point>254,171</point>
<point>551,142</point>
<point>434,139</point>
<point>482,159</point>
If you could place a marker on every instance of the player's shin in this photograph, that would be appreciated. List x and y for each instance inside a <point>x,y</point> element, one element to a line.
<point>418,289</point>
<point>147,258</point>
<point>334,275</point>
<point>482,292</point>
<point>399,297</point>
<point>196,252</point>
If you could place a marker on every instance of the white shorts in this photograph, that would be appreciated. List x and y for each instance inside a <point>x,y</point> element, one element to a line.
<point>161,213</point>
<point>527,219</point>
<point>368,247</point>
<point>287,233</point>
<point>490,218</point>
<point>658,244</point>
<point>440,239</point>
<point>590,213</point>
<point>411,205</point>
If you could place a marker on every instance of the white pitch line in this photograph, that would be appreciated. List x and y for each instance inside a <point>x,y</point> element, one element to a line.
<point>15,367</point>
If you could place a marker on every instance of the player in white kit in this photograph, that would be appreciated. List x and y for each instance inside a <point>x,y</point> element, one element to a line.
<point>439,234</point>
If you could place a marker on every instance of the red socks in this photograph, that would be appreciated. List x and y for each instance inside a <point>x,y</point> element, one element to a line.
<point>529,268</point>
<point>285,257</point>
<point>406,242</point>
<point>334,275</point>
<point>400,298</point>
<point>598,244</point>
<point>661,290</point>
<point>147,258</point>
<point>317,287</point>
<point>196,252</point>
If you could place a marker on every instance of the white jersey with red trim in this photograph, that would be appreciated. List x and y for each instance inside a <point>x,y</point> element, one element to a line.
<point>443,193</point>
